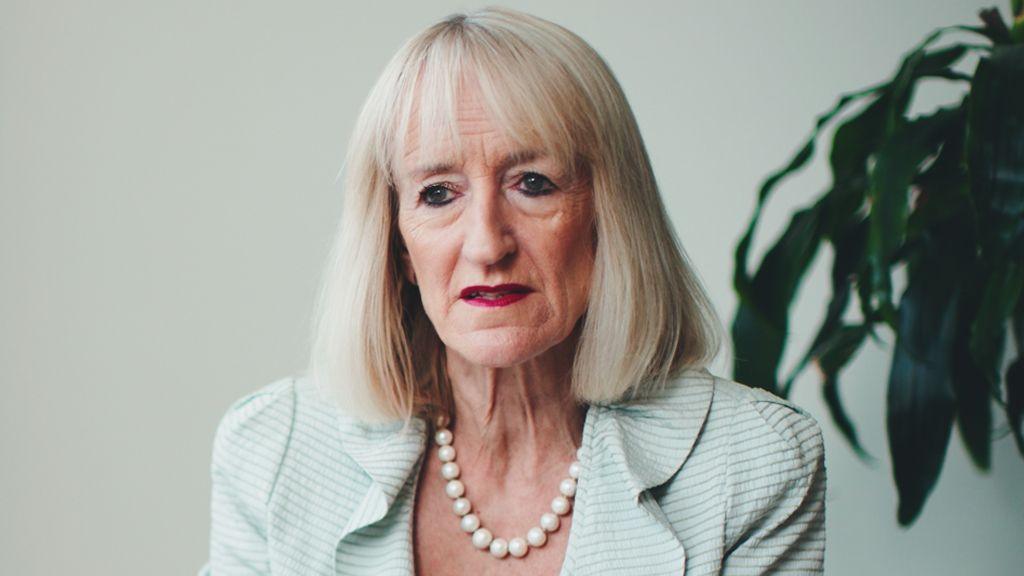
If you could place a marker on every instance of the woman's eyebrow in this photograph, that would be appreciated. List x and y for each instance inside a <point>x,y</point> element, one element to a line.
<point>430,169</point>
<point>513,158</point>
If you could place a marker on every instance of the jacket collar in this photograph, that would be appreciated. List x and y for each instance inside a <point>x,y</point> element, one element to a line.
<point>641,443</point>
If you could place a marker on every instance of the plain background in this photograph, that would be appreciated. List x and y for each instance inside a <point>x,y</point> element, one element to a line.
<point>168,171</point>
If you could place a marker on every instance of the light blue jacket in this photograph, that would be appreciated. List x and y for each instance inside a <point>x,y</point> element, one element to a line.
<point>704,477</point>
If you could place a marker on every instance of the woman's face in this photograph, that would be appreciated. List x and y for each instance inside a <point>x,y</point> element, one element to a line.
<point>497,216</point>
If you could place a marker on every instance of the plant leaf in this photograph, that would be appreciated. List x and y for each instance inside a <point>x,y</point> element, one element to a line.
<point>832,356</point>
<point>1002,290</point>
<point>943,191</point>
<point>1015,381</point>
<point>995,29</point>
<point>943,213</point>
<point>995,144</point>
<point>917,63</point>
<point>995,161</point>
<point>741,278</point>
<point>755,312</point>
<point>848,260</point>
<point>896,164</point>
<point>970,386</point>
<point>757,345</point>
<point>766,306</point>
<point>920,400</point>
<point>1015,401</point>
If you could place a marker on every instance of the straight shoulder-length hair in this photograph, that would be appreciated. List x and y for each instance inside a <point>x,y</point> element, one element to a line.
<point>375,352</point>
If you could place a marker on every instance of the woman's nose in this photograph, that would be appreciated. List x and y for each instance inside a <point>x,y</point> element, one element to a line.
<point>488,239</point>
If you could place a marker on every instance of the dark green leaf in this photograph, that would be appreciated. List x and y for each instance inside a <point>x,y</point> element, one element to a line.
<point>768,302</point>
<point>1015,381</point>
<point>847,261</point>
<point>940,60</point>
<point>757,346</point>
<point>761,323</point>
<point>833,354</point>
<point>741,277</point>
<point>917,63</point>
<point>896,164</point>
<point>1002,289</point>
<point>944,217</point>
<point>856,139</point>
<point>1017,324</point>
<point>970,384</point>
<point>1015,401</point>
<point>952,75</point>
<point>995,143</point>
<point>943,188</point>
<point>920,401</point>
<point>995,28</point>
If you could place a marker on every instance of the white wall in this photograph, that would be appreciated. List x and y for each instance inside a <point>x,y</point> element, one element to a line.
<point>167,196</point>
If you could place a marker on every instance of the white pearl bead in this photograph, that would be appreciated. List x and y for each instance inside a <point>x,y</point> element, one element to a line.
<point>446,453</point>
<point>499,548</point>
<point>536,536</point>
<point>560,505</point>
<point>443,437</point>
<point>574,470</point>
<point>450,470</point>
<point>567,487</point>
<point>482,538</point>
<point>461,506</point>
<point>454,488</point>
<point>549,522</point>
<point>469,523</point>
<point>518,547</point>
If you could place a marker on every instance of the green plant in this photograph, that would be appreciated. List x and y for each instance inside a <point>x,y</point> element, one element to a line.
<point>941,194</point>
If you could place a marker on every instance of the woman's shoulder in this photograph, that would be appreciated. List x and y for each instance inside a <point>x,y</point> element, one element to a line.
<point>757,473</point>
<point>774,459</point>
<point>258,430</point>
<point>760,423</point>
<point>253,433</point>
<point>739,413</point>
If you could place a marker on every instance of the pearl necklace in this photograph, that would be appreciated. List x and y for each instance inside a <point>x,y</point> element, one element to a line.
<point>470,523</point>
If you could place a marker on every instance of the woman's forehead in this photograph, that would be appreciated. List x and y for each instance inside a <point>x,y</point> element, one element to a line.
<point>472,125</point>
<point>437,131</point>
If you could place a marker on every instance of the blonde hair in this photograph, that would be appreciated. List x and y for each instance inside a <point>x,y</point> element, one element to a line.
<point>648,318</point>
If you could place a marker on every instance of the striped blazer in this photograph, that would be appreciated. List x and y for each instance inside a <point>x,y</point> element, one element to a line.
<point>706,476</point>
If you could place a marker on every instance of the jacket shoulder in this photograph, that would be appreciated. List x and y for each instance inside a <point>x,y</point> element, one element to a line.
<point>775,451</point>
<point>759,416</point>
<point>763,426</point>
<point>252,437</point>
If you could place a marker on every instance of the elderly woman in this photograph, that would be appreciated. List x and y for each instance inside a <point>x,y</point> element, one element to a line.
<point>508,374</point>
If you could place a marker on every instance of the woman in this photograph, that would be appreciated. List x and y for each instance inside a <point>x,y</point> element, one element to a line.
<point>508,371</point>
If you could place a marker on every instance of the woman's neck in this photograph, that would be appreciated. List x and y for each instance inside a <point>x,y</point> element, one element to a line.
<point>516,424</point>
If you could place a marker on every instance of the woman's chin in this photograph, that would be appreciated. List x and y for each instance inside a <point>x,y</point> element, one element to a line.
<point>498,348</point>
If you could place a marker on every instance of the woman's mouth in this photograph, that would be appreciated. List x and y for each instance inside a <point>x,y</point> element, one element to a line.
<point>490,296</point>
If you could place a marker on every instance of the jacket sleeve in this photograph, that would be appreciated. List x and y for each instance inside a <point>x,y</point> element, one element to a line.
<point>775,522</point>
<point>248,448</point>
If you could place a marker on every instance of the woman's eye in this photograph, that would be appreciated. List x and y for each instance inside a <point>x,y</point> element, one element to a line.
<point>435,195</point>
<point>533,184</point>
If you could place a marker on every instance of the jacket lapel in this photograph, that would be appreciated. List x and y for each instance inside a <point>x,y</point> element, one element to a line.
<point>632,448</point>
<point>386,455</point>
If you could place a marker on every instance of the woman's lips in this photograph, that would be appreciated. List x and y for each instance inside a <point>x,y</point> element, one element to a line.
<point>491,296</point>
<point>504,300</point>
